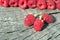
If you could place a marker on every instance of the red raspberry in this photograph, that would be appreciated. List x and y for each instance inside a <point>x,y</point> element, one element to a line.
<point>23,3</point>
<point>38,25</point>
<point>51,5</point>
<point>58,6</point>
<point>47,18</point>
<point>29,20</point>
<point>13,3</point>
<point>0,2</point>
<point>56,1</point>
<point>5,3</point>
<point>41,4</point>
<point>31,3</point>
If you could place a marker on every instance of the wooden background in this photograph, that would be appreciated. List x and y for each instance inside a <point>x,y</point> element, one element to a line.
<point>12,27</point>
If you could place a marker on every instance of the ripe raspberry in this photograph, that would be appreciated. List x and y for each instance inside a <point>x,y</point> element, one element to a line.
<point>0,2</point>
<point>38,25</point>
<point>58,6</point>
<point>41,4</point>
<point>29,20</point>
<point>13,3</point>
<point>56,1</point>
<point>5,3</point>
<point>51,5</point>
<point>31,3</point>
<point>23,3</point>
<point>47,18</point>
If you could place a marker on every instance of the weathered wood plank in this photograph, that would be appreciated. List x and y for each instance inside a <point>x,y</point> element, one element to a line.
<point>12,27</point>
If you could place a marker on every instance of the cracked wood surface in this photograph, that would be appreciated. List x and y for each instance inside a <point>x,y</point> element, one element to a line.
<point>12,27</point>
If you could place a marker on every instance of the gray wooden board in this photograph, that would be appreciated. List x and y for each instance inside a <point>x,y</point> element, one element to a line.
<point>12,27</point>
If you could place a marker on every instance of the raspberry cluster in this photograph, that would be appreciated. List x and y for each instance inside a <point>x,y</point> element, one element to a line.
<point>40,4</point>
<point>39,21</point>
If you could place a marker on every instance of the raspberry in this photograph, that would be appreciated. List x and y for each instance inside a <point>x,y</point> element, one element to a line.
<point>5,3</point>
<point>51,5</point>
<point>47,18</point>
<point>13,3</point>
<point>41,4</point>
<point>29,20</point>
<point>38,25</point>
<point>58,6</point>
<point>0,2</point>
<point>23,4</point>
<point>31,3</point>
<point>56,1</point>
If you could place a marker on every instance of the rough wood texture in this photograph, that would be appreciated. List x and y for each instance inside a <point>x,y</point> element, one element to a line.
<point>12,27</point>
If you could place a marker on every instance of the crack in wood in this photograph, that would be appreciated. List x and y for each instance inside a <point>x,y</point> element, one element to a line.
<point>57,35</point>
<point>24,31</point>
<point>16,31</point>
<point>29,35</point>
<point>54,13</point>
<point>53,26</point>
<point>51,36</point>
<point>45,35</point>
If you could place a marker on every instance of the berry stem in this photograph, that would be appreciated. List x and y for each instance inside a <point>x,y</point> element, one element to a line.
<point>40,17</point>
<point>35,15</point>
